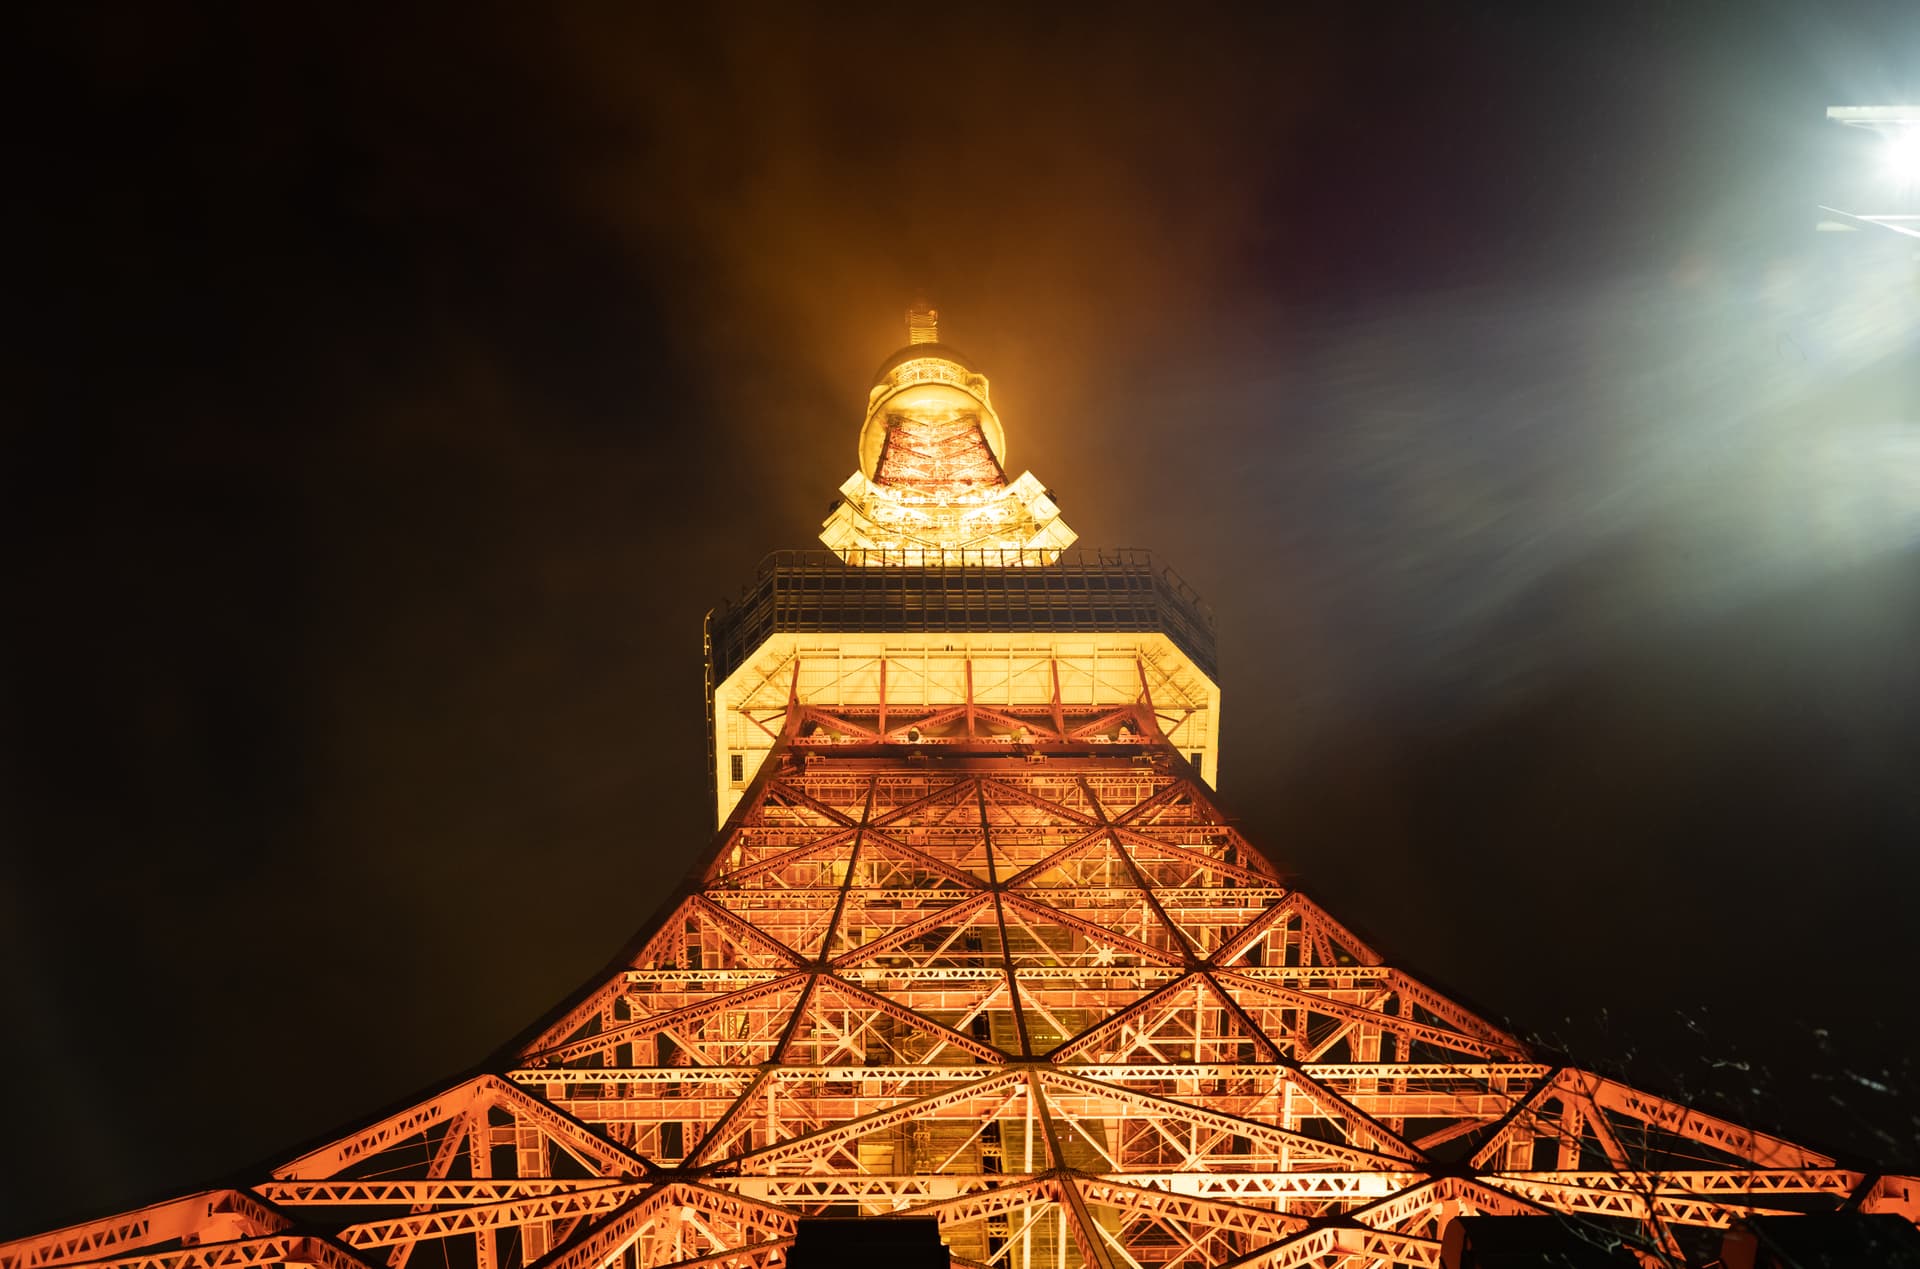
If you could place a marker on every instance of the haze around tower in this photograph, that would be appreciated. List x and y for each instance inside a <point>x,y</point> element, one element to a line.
<point>402,392</point>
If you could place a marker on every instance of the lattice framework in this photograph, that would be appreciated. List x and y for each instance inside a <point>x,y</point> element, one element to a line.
<point>976,941</point>
<point>1042,989</point>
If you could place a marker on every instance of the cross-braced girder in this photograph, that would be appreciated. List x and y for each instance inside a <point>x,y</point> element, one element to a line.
<point>1062,1005</point>
<point>975,940</point>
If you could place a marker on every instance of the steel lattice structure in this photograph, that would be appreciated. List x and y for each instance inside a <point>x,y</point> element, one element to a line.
<point>977,941</point>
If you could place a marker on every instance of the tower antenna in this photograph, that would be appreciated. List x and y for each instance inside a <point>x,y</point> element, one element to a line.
<point>923,321</point>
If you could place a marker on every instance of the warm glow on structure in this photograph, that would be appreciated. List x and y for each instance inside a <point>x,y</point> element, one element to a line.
<point>979,689</point>
<point>977,942</point>
<point>932,486</point>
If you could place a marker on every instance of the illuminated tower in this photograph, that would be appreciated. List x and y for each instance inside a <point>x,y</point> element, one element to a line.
<point>976,941</point>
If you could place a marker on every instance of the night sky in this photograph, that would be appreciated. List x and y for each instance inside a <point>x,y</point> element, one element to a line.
<point>396,392</point>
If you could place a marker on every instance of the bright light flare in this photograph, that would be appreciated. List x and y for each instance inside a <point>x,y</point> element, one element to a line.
<point>1900,157</point>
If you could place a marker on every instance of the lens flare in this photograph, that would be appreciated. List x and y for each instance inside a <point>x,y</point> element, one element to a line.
<point>1901,157</point>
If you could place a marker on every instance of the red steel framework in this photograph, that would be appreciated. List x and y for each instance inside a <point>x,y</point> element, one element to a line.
<point>1007,964</point>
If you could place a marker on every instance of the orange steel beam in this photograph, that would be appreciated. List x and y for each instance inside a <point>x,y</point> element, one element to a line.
<point>178,1220</point>
<point>981,945</point>
<point>1017,996</point>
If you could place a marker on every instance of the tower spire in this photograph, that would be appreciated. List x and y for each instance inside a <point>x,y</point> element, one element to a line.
<point>923,322</point>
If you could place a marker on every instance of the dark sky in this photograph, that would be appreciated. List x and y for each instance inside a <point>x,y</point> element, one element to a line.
<point>398,392</point>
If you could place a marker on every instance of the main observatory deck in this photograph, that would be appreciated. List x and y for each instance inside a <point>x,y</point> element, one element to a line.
<point>1084,591</point>
<point>965,649</point>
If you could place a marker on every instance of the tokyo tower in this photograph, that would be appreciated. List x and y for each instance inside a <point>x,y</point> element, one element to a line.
<point>976,941</point>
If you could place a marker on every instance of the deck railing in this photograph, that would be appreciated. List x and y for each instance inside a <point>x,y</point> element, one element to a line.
<point>1083,590</point>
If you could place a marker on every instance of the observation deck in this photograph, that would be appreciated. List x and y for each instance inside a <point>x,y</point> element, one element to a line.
<point>1083,591</point>
<point>1028,648</point>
